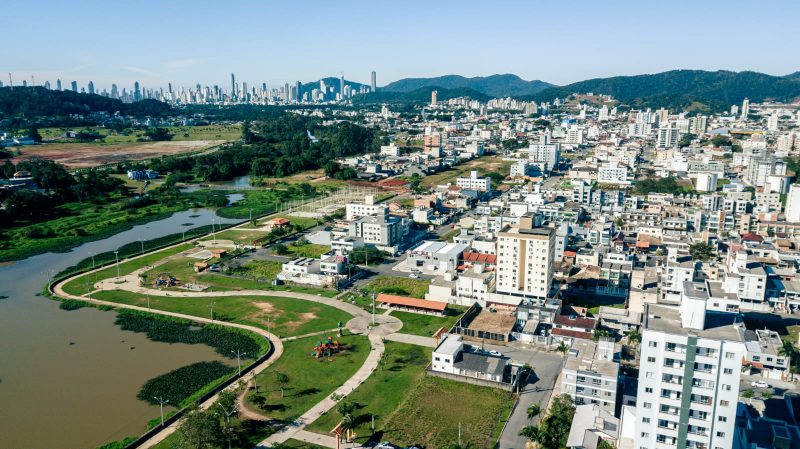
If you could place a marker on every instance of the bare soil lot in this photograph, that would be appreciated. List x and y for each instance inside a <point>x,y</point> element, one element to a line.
<point>84,155</point>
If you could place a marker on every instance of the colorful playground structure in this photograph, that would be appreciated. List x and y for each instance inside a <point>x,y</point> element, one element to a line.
<point>326,348</point>
<point>165,280</point>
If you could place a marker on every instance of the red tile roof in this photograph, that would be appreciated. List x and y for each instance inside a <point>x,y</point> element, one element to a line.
<point>411,302</point>
<point>470,256</point>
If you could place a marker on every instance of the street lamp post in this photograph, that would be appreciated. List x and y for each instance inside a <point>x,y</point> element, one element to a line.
<point>142,242</point>
<point>373,310</point>
<point>214,229</point>
<point>161,402</point>
<point>148,302</point>
<point>212,311</point>
<point>116,257</point>
<point>92,254</point>
<point>239,355</point>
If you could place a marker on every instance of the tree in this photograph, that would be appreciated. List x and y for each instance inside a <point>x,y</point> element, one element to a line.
<point>33,133</point>
<point>562,348</point>
<point>789,350</point>
<point>199,429</point>
<point>534,410</point>
<point>748,394</point>
<point>701,251</point>
<point>555,428</point>
<point>282,379</point>
<point>634,337</point>
<point>346,410</point>
<point>415,183</point>
<point>280,248</point>
<point>227,410</point>
<point>605,444</point>
<point>158,134</point>
<point>532,433</point>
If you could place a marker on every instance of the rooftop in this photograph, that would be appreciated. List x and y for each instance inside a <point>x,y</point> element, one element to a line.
<point>718,325</point>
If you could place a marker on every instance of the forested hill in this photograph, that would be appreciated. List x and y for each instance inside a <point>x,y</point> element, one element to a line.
<point>684,89</point>
<point>421,95</point>
<point>32,102</point>
<point>493,86</point>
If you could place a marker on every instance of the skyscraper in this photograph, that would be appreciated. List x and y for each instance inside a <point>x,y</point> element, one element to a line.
<point>47,84</point>
<point>433,97</point>
<point>91,87</point>
<point>58,84</point>
<point>373,82</point>
<point>114,91</point>
<point>793,204</point>
<point>137,94</point>
<point>74,86</point>
<point>341,86</point>
<point>745,109</point>
<point>233,85</point>
<point>298,88</point>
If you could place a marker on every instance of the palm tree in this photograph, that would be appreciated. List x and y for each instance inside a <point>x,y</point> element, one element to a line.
<point>532,433</point>
<point>788,350</point>
<point>534,410</point>
<point>634,337</point>
<point>562,348</point>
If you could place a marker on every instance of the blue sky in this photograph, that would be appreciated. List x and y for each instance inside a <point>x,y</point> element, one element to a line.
<point>189,42</point>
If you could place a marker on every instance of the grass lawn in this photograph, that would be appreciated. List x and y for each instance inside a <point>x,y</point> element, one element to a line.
<point>286,316</point>
<point>77,286</point>
<point>243,235</point>
<point>427,325</point>
<point>209,132</point>
<point>306,250</point>
<point>593,302</point>
<point>310,379</point>
<point>383,391</point>
<point>431,414</point>
<point>402,286</point>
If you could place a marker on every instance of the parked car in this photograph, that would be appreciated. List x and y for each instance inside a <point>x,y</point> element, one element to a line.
<point>414,276</point>
<point>759,384</point>
<point>496,353</point>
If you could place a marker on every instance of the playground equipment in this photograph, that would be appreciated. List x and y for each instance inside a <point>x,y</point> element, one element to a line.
<point>165,280</point>
<point>326,348</point>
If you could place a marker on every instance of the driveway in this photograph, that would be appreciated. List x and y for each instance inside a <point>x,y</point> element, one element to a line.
<point>538,389</point>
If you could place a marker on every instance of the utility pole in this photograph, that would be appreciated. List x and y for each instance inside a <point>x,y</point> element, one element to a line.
<point>92,254</point>
<point>239,355</point>
<point>213,230</point>
<point>142,245</point>
<point>212,311</point>
<point>459,434</point>
<point>373,309</point>
<point>161,401</point>
<point>148,302</point>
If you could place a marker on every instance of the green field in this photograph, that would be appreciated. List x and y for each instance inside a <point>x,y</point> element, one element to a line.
<point>383,391</point>
<point>283,316</point>
<point>305,250</point>
<point>78,223</point>
<point>402,286</point>
<point>209,132</point>
<point>427,325</point>
<point>310,379</point>
<point>432,413</point>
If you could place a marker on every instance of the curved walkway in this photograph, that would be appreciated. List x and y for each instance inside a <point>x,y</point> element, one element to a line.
<point>361,323</point>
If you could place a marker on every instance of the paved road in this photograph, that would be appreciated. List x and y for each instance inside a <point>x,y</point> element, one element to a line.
<point>546,367</point>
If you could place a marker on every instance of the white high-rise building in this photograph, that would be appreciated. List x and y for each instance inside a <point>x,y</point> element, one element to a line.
<point>691,362</point>
<point>545,153</point>
<point>525,255</point>
<point>745,109</point>
<point>473,182</point>
<point>667,137</point>
<point>772,122</point>
<point>434,93</point>
<point>793,204</point>
<point>575,135</point>
<point>602,115</point>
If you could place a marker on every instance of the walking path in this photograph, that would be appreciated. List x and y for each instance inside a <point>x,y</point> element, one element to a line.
<point>412,339</point>
<point>376,329</point>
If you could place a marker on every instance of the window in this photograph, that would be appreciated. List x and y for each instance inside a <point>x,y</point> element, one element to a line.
<point>728,371</point>
<point>651,359</point>
<point>647,405</point>
<point>648,390</point>
<point>646,420</point>
<point>724,403</point>
<point>721,434</point>
<point>723,419</point>
<point>653,344</point>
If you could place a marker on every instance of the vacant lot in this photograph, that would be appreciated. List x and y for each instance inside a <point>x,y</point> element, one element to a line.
<point>84,155</point>
<point>478,410</point>
<point>427,325</point>
<point>383,391</point>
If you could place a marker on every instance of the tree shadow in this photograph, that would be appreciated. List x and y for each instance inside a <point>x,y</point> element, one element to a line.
<point>307,392</point>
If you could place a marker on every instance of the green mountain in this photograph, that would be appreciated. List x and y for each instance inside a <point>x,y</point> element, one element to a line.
<point>32,102</point>
<point>421,95</point>
<point>683,89</point>
<point>793,76</point>
<point>494,86</point>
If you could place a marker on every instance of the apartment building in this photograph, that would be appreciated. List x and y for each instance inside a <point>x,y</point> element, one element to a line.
<point>473,182</point>
<point>366,209</point>
<point>525,255</point>
<point>591,373</point>
<point>691,361</point>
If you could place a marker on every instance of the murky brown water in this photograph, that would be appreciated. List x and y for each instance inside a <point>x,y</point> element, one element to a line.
<point>54,394</point>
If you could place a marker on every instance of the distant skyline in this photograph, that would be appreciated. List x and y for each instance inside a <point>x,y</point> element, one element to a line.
<point>189,42</point>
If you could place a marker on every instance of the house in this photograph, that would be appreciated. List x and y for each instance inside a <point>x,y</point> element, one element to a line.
<point>590,425</point>
<point>454,359</point>
<point>276,223</point>
<point>407,304</point>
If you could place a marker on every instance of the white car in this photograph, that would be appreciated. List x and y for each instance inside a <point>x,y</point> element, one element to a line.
<point>759,384</point>
<point>413,276</point>
<point>496,353</point>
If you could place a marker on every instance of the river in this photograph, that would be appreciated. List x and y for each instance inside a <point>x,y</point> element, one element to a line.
<point>69,379</point>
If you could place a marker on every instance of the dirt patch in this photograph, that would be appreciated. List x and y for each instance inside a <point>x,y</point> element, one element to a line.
<point>302,318</point>
<point>83,155</point>
<point>265,307</point>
